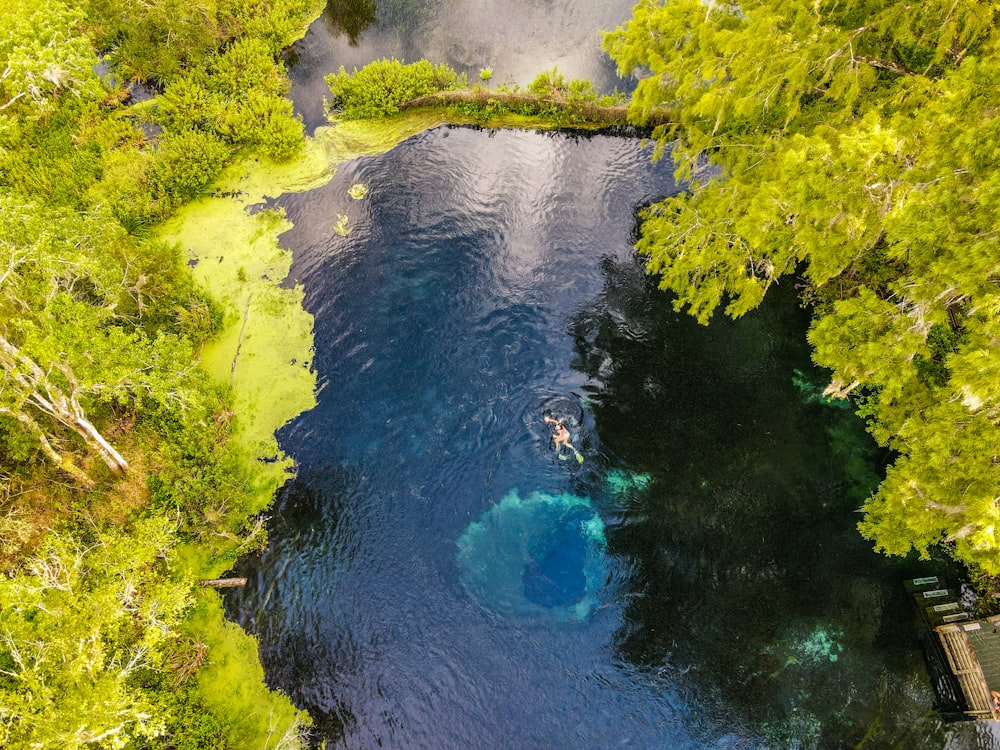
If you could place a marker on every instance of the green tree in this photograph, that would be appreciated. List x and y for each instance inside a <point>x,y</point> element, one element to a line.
<point>854,144</point>
<point>77,626</point>
<point>99,328</point>
<point>75,292</point>
<point>43,58</point>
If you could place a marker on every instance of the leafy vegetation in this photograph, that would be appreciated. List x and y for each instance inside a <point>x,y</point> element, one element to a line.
<point>75,138</point>
<point>386,87</point>
<point>380,87</point>
<point>569,100</point>
<point>853,144</point>
<point>80,623</point>
<point>117,448</point>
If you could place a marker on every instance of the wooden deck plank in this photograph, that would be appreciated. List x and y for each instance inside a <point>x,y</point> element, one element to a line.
<point>960,646</point>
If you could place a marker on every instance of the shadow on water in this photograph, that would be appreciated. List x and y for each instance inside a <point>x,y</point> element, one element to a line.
<point>748,569</point>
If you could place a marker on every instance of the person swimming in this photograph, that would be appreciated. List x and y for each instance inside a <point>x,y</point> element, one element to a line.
<point>561,437</point>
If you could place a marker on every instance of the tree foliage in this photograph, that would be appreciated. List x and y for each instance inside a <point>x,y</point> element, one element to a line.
<point>114,445</point>
<point>856,144</point>
<point>78,139</point>
<point>43,57</point>
<point>237,98</point>
<point>89,317</point>
<point>158,40</point>
<point>76,627</point>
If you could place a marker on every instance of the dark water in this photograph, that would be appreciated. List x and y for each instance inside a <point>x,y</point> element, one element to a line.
<point>516,39</point>
<point>438,577</point>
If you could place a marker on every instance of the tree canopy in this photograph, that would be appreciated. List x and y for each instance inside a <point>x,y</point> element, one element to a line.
<point>115,446</point>
<point>854,145</point>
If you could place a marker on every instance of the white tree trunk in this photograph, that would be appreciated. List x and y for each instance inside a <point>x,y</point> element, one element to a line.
<point>31,385</point>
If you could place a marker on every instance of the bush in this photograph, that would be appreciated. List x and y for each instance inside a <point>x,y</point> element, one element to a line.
<point>380,87</point>
<point>248,66</point>
<point>276,22</point>
<point>185,163</point>
<point>189,103</point>
<point>263,121</point>
<point>238,97</point>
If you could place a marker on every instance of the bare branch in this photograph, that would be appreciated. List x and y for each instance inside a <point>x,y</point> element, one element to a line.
<point>39,390</point>
<point>885,65</point>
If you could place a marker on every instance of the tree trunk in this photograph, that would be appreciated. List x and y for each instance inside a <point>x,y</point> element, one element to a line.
<point>221,583</point>
<point>591,112</point>
<point>63,462</point>
<point>33,386</point>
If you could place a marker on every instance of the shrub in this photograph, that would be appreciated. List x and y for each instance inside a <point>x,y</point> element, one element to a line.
<point>189,103</point>
<point>266,121</point>
<point>381,86</point>
<point>185,163</point>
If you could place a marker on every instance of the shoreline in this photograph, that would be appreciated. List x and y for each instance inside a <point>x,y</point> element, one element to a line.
<point>264,354</point>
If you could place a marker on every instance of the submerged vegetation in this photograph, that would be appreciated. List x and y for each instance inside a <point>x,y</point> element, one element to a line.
<point>854,146</point>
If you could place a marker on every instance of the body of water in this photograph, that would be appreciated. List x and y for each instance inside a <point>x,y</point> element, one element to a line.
<point>440,576</point>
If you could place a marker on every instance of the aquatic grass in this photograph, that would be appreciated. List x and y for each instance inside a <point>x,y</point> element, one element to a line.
<point>233,679</point>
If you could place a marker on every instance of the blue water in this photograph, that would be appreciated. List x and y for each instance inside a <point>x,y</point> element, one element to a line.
<point>555,577</point>
<point>437,577</point>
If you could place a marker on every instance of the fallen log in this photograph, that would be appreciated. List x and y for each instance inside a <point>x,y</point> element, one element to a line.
<point>223,583</point>
<point>591,112</point>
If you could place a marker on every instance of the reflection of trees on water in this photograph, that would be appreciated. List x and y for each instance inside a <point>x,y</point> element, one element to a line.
<point>746,566</point>
<point>353,17</point>
<point>350,17</point>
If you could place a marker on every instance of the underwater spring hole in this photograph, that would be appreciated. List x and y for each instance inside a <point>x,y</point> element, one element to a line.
<point>541,555</point>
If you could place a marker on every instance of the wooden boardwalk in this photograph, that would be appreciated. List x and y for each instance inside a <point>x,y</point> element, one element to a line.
<point>971,647</point>
<point>973,651</point>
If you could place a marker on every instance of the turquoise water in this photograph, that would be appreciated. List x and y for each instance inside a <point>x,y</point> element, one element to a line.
<point>437,576</point>
<point>538,556</point>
